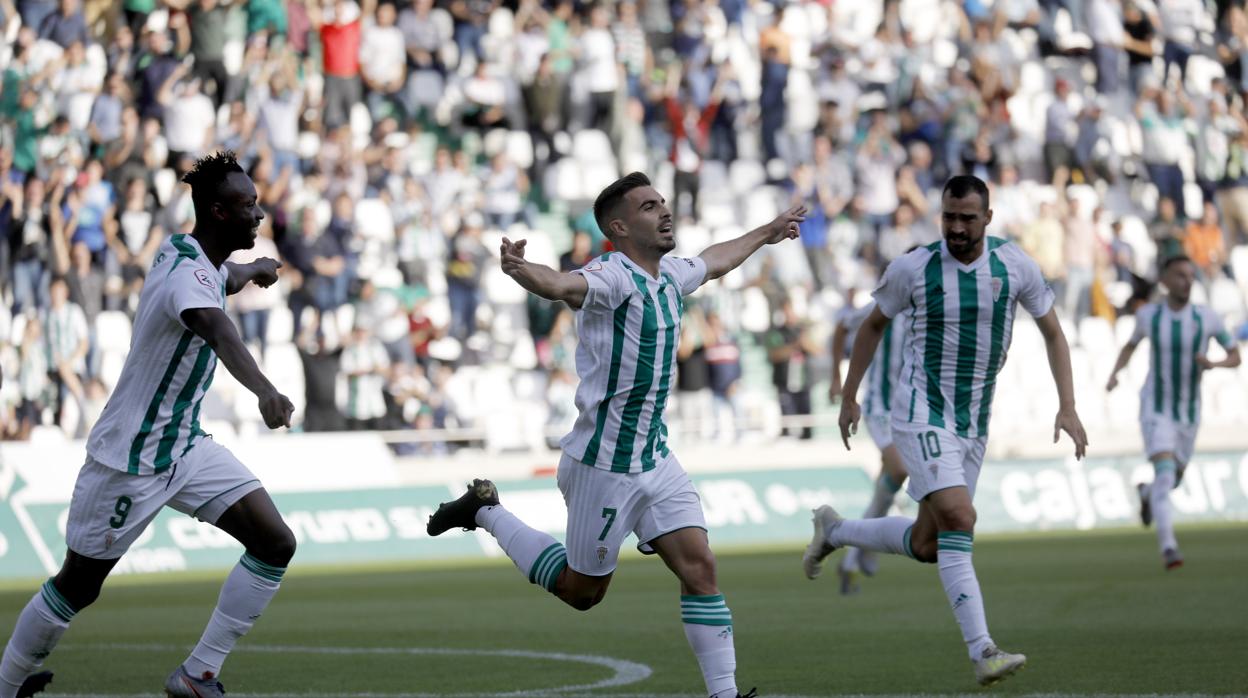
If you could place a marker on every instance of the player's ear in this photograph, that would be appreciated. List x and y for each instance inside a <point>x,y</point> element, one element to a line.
<point>987,216</point>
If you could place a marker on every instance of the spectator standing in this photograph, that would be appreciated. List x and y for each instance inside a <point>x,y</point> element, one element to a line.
<point>693,389</point>
<point>1105,28</point>
<point>66,25</point>
<point>32,377</point>
<point>1180,20</point>
<point>723,363</point>
<point>691,129</point>
<point>773,109</point>
<point>463,276</point>
<point>365,365</point>
<point>1137,39</point>
<point>599,69</point>
<point>1233,190</point>
<point>189,118</point>
<point>67,344</point>
<point>1165,139</point>
<point>789,349</point>
<point>1059,132</point>
<point>209,20</point>
<point>340,28</point>
<point>104,123</point>
<point>1205,245</point>
<point>1043,239</point>
<point>505,188</point>
<point>383,62</point>
<point>1167,231</point>
<point>32,248</point>
<point>1079,252</point>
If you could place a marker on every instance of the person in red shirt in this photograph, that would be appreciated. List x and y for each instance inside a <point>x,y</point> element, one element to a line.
<point>339,27</point>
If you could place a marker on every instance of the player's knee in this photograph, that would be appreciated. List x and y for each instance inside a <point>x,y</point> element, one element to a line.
<point>79,589</point>
<point>959,519</point>
<point>278,548</point>
<point>697,572</point>
<point>585,600</point>
<point>925,552</point>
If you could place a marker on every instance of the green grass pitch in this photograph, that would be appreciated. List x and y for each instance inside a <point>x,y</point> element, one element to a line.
<point>1094,612</point>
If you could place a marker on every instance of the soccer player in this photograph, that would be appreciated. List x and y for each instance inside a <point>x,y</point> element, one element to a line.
<point>147,450</point>
<point>617,473</point>
<point>1179,332</point>
<point>963,292</point>
<point>882,380</point>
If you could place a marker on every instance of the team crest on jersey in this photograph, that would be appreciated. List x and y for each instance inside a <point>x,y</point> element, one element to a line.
<point>996,288</point>
<point>602,553</point>
<point>203,278</point>
<point>159,258</point>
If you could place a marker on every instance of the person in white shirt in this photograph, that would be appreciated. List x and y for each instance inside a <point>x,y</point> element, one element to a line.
<point>383,61</point>
<point>599,68</point>
<point>617,473</point>
<point>147,451</point>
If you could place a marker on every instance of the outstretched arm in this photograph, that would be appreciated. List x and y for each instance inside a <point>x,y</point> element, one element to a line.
<point>723,257</point>
<point>262,272</point>
<point>541,279</point>
<point>1059,363</point>
<point>1124,358</point>
<point>869,334</point>
<point>215,327</point>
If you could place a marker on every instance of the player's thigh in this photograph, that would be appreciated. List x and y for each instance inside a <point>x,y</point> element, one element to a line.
<point>673,511</point>
<point>1185,444</point>
<point>881,430</point>
<point>1160,433</point>
<point>893,464</point>
<point>110,509</point>
<point>602,509</point>
<point>215,481</point>
<point>934,459</point>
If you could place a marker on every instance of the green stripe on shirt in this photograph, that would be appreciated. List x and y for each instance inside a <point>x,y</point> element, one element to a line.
<point>643,378</point>
<point>613,377</point>
<point>1158,391</point>
<point>1176,365</point>
<point>164,451</point>
<point>968,346</point>
<point>1000,303</point>
<point>1194,392</point>
<point>665,379</point>
<point>153,407</point>
<point>933,350</point>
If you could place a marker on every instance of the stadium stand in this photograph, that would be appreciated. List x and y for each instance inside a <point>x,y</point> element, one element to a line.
<point>394,144</point>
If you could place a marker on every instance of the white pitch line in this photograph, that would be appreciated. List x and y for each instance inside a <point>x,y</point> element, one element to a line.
<point>624,671</point>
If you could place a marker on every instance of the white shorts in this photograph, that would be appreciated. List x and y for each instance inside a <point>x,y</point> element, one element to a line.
<point>881,431</point>
<point>1162,434</point>
<point>111,508</point>
<point>938,459</point>
<point>604,507</point>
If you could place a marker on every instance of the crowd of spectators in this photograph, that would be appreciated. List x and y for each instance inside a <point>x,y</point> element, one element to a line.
<point>393,143</point>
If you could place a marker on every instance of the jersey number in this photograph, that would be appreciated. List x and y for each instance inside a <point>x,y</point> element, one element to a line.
<point>929,443</point>
<point>122,509</point>
<point>608,514</point>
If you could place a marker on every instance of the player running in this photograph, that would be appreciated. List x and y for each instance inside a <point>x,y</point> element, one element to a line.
<point>963,292</point>
<point>882,380</point>
<point>617,473</point>
<point>147,451</point>
<point>1179,332</point>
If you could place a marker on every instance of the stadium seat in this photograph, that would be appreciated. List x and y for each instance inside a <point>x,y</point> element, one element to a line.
<point>746,175</point>
<point>592,146</point>
<point>374,220</point>
<point>1193,201</point>
<point>755,311</point>
<point>281,324</point>
<point>163,182</point>
<point>520,149</point>
<point>112,331</point>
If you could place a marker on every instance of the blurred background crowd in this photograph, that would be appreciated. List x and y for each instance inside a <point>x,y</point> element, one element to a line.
<point>393,144</point>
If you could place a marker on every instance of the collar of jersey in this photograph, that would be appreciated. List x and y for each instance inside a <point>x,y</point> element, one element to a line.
<point>979,261</point>
<point>629,264</point>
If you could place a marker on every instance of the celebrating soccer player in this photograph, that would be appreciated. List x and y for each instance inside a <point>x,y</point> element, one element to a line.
<point>147,451</point>
<point>617,473</point>
<point>1179,332</point>
<point>962,293</point>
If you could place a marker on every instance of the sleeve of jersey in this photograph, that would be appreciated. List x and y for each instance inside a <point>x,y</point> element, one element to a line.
<point>893,293</point>
<point>605,286</point>
<point>1142,318</point>
<point>1217,330</point>
<point>191,287</point>
<point>1034,292</point>
<point>689,272</point>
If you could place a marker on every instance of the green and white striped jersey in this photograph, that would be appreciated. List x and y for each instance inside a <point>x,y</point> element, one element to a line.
<point>152,417</point>
<point>628,327</point>
<point>1176,338</point>
<point>961,320</point>
<point>885,366</point>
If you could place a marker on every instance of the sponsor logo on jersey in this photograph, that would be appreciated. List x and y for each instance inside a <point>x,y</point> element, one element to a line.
<point>203,278</point>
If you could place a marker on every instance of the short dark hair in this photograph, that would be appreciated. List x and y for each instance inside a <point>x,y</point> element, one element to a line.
<point>963,185</point>
<point>1171,261</point>
<point>604,205</point>
<point>206,177</point>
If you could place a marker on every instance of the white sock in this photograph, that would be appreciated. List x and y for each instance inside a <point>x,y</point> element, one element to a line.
<point>39,627</point>
<point>536,553</point>
<point>957,574</point>
<point>850,561</point>
<point>882,498</point>
<point>708,627</point>
<point>883,535</point>
<point>1159,500</point>
<point>244,596</point>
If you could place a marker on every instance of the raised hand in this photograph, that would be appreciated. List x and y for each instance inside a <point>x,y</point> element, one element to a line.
<point>785,226</point>
<point>264,271</point>
<point>512,256</point>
